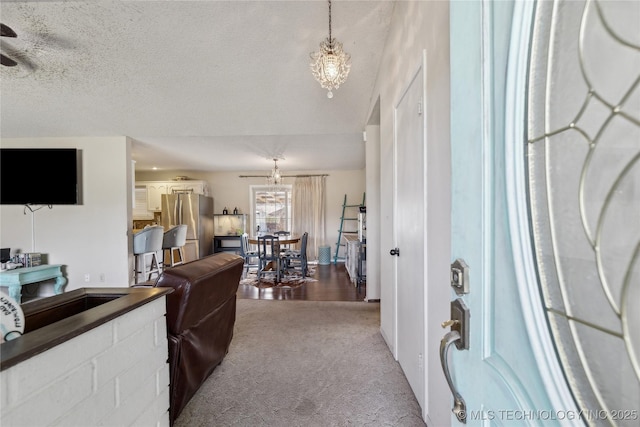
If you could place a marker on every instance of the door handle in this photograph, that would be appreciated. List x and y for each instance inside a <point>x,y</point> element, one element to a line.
<point>458,335</point>
<point>459,406</point>
<point>395,251</point>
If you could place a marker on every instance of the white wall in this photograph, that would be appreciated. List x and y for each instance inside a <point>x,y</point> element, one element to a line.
<point>230,191</point>
<point>418,26</point>
<point>91,238</point>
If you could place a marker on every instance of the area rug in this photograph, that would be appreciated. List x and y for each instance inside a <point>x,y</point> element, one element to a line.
<point>290,280</point>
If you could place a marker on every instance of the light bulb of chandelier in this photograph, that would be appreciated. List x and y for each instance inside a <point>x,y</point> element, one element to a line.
<point>330,66</point>
<point>275,172</point>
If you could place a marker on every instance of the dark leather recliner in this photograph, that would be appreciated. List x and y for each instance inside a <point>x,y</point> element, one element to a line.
<point>201,314</point>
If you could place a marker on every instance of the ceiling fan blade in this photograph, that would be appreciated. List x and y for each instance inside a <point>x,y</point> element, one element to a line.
<point>6,31</point>
<point>6,61</point>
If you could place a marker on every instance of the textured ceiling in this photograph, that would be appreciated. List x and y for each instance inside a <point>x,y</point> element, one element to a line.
<point>198,85</point>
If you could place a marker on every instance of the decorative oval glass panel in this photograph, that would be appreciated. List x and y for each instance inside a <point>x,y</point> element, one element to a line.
<point>584,196</point>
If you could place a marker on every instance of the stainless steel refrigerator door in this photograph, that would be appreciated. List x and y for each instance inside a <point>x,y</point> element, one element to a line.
<point>170,211</point>
<point>194,210</point>
<point>189,214</point>
<point>205,225</point>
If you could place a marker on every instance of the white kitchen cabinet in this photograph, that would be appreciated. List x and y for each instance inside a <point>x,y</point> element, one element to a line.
<point>155,190</point>
<point>196,187</point>
<point>140,208</point>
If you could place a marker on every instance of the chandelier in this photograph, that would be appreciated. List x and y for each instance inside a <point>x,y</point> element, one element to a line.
<point>275,178</point>
<point>330,65</point>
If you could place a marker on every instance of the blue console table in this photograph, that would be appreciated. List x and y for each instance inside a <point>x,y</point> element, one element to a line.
<point>19,277</point>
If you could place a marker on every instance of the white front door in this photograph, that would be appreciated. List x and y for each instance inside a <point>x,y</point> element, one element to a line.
<point>410,235</point>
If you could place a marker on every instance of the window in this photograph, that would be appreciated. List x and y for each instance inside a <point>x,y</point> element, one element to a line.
<point>270,208</point>
<point>583,160</point>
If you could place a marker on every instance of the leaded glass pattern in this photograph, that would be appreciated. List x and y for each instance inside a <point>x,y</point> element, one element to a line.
<point>584,189</point>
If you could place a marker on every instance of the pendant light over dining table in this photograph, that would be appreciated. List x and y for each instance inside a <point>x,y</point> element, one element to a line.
<point>330,65</point>
<point>276,177</point>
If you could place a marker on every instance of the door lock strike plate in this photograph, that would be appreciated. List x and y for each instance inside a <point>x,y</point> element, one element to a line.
<point>460,277</point>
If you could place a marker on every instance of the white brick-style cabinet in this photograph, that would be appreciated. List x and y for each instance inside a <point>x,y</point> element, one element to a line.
<point>115,374</point>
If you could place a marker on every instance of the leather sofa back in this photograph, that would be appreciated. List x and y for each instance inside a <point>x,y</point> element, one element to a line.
<point>198,287</point>
<point>200,320</point>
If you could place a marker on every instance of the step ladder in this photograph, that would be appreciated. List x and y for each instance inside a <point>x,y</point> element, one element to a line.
<point>348,215</point>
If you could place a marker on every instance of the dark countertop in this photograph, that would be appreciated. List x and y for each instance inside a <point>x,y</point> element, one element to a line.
<point>54,320</point>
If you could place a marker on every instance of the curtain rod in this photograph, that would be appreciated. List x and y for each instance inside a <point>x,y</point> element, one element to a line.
<point>283,176</point>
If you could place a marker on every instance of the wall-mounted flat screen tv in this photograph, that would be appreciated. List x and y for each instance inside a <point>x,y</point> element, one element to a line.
<point>39,176</point>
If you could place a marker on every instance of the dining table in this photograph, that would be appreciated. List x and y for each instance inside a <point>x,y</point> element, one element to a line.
<point>283,241</point>
<point>289,240</point>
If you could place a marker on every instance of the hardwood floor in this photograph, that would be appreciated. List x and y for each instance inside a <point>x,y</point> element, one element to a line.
<point>332,284</point>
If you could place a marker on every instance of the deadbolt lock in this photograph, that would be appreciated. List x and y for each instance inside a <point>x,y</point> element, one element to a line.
<point>460,277</point>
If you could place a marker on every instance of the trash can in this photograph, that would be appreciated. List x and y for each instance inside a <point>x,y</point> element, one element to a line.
<point>324,255</point>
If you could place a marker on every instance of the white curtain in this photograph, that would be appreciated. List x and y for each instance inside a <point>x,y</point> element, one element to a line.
<point>308,212</point>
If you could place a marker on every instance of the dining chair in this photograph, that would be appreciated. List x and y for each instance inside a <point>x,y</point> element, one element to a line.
<point>247,254</point>
<point>281,235</point>
<point>269,256</point>
<point>297,260</point>
<point>146,244</point>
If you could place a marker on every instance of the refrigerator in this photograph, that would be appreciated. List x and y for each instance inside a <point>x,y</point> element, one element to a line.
<point>196,211</point>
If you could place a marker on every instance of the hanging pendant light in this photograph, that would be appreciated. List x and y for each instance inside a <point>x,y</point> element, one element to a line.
<point>276,177</point>
<point>330,65</point>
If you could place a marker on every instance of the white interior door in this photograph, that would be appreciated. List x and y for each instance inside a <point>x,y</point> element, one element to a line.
<point>410,236</point>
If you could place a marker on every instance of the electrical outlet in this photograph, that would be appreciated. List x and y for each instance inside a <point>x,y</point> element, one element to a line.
<point>102,277</point>
<point>87,277</point>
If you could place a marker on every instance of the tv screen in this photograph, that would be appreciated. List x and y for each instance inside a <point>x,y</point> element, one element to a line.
<point>39,176</point>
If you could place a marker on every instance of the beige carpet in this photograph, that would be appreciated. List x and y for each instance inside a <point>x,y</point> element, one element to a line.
<point>305,363</point>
